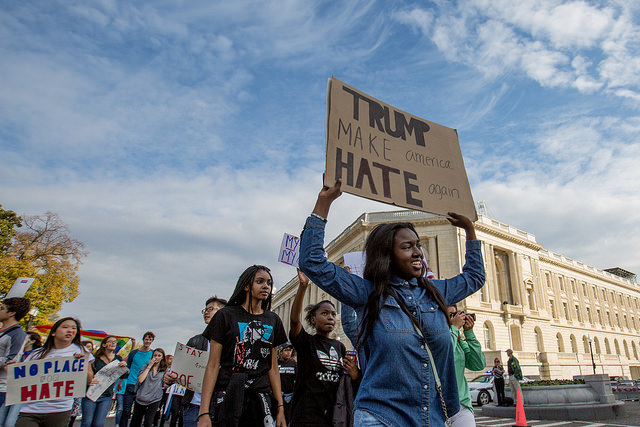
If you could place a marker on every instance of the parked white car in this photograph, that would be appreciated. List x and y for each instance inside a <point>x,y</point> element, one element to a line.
<point>481,388</point>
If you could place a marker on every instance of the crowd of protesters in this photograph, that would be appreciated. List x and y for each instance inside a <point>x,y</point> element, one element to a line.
<point>411,348</point>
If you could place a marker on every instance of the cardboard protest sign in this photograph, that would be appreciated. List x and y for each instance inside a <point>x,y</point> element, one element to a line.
<point>385,154</point>
<point>46,379</point>
<point>188,366</point>
<point>289,250</point>
<point>20,287</point>
<point>105,377</point>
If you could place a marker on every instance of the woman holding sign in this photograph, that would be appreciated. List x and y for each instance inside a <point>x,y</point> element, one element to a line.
<point>400,310</point>
<point>63,341</point>
<point>94,414</point>
<point>242,374</point>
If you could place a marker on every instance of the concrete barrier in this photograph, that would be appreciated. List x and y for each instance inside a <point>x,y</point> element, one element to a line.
<point>593,400</point>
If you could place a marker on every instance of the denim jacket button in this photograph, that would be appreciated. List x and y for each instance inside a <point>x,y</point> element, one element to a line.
<point>424,408</point>
<point>425,386</point>
<point>424,364</point>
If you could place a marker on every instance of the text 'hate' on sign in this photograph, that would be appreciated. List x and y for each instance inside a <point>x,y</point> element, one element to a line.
<point>385,154</point>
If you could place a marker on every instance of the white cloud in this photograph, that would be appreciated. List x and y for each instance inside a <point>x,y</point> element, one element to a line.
<point>540,39</point>
<point>180,141</point>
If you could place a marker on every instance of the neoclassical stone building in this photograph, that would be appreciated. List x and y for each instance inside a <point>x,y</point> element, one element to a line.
<point>554,312</point>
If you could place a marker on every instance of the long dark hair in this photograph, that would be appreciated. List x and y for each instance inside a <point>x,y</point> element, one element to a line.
<point>378,270</point>
<point>246,279</point>
<point>49,342</point>
<point>102,349</point>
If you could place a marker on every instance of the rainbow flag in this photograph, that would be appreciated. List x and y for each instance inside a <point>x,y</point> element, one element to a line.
<point>124,342</point>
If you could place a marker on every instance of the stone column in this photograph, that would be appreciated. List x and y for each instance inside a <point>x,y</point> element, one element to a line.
<point>432,245</point>
<point>516,286</point>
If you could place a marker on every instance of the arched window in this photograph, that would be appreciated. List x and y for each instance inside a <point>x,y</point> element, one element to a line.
<point>574,344</point>
<point>635,350</point>
<point>539,341</point>
<point>626,349</point>
<point>596,342</point>
<point>607,347</point>
<point>585,343</point>
<point>560,343</point>
<point>489,340</point>
<point>617,346</point>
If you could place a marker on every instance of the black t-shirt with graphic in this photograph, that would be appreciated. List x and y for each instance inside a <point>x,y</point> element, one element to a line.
<point>287,375</point>
<point>319,372</point>
<point>247,341</point>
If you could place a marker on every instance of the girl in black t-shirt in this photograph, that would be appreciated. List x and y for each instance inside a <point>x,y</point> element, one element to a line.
<point>242,378</point>
<point>320,361</point>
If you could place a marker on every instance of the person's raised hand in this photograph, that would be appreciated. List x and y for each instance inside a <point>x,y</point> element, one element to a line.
<point>463,222</point>
<point>326,196</point>
<point>304,280</point>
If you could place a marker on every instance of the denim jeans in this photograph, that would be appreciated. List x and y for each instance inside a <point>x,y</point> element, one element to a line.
<point>119,405</point>
<point>190,415</point>
<point>363,418</point>
<point>4,409</point>
<point>94,414</point>
<point>12,416</point>
<point>127,404</point>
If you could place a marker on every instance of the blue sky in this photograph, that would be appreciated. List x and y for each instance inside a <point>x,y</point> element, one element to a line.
<point>180,140</point>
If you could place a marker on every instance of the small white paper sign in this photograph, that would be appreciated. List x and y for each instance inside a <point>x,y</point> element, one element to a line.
<point>289,250</point>
<point>46,379</point>
<point>176,390</point>
<point>356,262</point>
<point>20,287</point>
<point>106,377</point>
<point>188,367</point>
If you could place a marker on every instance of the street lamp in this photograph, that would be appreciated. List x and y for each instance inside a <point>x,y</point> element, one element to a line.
<point>32,314</point>
<point>591,350</point>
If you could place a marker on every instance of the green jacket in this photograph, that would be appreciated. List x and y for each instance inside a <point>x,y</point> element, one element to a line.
<point>467,354</point>
<point>514,368</point>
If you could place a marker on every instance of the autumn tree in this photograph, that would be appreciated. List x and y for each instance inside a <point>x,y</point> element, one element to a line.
<point>41,247</point>
<point>9,220</point>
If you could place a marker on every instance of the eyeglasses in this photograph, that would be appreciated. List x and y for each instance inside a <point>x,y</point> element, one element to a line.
<point>207,310</point>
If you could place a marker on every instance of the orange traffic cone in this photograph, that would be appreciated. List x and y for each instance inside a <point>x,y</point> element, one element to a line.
<point>521,419</point>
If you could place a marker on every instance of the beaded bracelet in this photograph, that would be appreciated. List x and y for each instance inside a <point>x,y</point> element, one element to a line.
<point>320,217</point>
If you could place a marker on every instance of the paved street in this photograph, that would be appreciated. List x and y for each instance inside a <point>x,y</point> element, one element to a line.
<point>497,422</point>
<point>631,418</point>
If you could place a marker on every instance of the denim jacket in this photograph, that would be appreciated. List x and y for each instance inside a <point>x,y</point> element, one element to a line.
<point>398,386</point>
